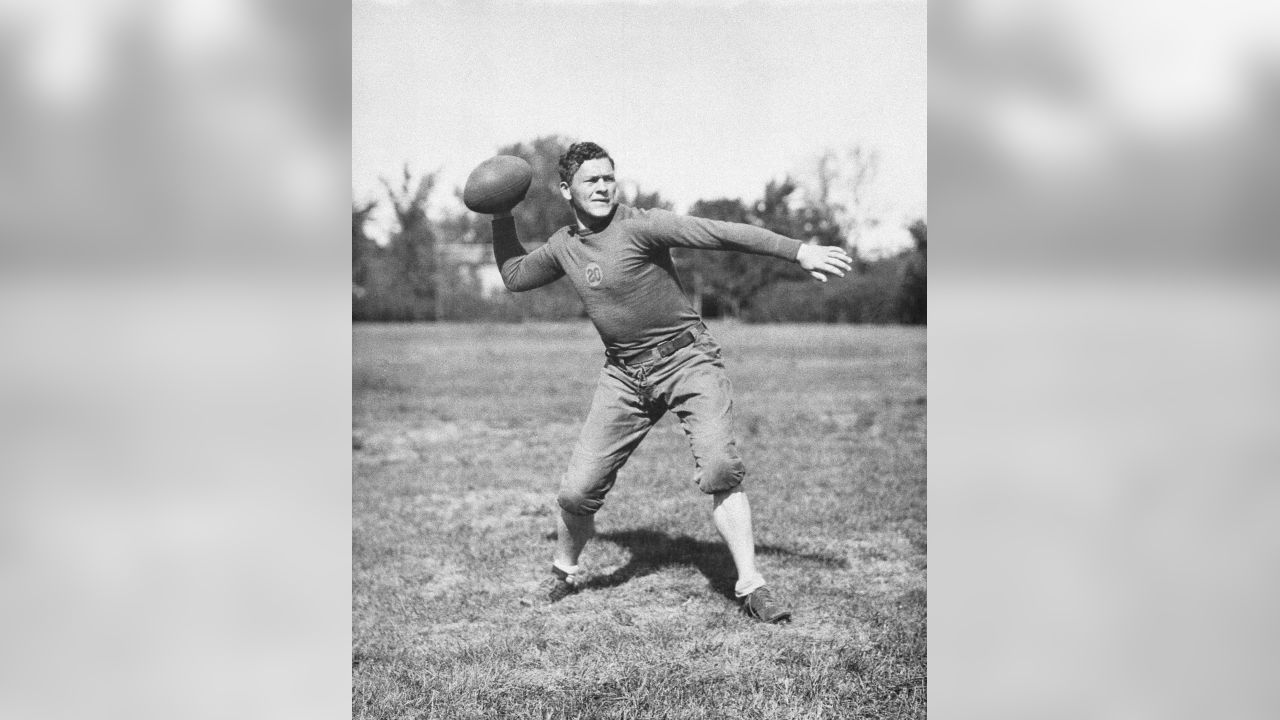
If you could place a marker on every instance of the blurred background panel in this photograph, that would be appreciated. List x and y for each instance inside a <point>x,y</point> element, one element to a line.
<point>1104,338</point>
<point>175,499</point>
<point>175,377</point>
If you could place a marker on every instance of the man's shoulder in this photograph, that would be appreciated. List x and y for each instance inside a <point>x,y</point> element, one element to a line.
<point>627,212</point>
<point>652,218</point>
<point>559,237</point>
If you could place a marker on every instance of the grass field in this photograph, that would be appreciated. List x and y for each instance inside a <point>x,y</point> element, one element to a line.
<point>460,433</point>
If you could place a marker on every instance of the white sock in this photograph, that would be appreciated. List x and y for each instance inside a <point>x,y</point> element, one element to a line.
<point>746,586</point>
<point>571,571</point>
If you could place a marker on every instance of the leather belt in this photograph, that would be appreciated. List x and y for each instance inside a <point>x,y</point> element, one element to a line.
<point>662,349</point>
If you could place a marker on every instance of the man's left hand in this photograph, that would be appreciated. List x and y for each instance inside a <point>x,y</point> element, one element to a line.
<point>824,260</point>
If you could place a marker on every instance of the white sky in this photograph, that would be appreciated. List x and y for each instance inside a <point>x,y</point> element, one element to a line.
<point>695,99</point>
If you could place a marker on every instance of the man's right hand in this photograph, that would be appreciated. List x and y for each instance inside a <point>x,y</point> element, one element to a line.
<point>824,260</point>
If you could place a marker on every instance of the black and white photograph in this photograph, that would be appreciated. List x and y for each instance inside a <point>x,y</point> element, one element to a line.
<point>639,401</point>
<point>638,359</point>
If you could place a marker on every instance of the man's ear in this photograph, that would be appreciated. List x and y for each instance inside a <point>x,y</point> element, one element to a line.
<point>564,190</point>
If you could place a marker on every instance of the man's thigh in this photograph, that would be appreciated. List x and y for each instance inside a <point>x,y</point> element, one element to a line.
<point>614,427</point>
<point>701,396</point>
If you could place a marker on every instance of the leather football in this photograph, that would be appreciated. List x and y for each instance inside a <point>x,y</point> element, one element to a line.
<point>497,184</point>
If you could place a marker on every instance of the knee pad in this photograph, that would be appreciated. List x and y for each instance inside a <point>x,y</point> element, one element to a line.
<point>576,502</point>
<point>720,473</point>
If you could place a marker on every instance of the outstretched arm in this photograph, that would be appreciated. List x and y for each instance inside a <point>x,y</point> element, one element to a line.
<point>521,270</point>
<point>663,228</point>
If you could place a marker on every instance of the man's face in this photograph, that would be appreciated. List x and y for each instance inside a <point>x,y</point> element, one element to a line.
<point>593,190</point>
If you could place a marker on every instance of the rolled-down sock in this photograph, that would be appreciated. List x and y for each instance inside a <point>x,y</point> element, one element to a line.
<point>568,574</point>
<point>747,585</point>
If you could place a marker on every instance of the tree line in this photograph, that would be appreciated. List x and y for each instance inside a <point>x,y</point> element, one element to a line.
<point>411,278</point>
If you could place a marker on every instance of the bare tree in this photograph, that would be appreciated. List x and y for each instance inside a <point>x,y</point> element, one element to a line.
<point>844,184</point>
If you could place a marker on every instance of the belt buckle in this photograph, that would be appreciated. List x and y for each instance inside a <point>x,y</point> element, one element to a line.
<point>666,349</point>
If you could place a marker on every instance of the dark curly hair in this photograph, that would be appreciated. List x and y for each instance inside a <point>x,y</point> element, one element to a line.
<point>577,154</point>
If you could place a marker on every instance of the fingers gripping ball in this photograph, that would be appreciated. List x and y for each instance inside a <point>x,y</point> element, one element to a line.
<point>497,184</point>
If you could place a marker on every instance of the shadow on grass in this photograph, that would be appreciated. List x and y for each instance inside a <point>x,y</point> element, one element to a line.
<point>653,550</point>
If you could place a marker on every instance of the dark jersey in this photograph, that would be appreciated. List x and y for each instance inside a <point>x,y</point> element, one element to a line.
<point>623,272</point>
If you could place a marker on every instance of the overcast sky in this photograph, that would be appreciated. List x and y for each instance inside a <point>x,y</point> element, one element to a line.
<point>695,99</point>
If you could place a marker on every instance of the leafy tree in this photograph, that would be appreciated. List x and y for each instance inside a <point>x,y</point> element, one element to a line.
<point>729,282</point>
<point>462,227</point>
<point>913,286</point>
<point>714,277</point>
<point>727,209</point>
<point>411,291</point>
<point>806,220</point>
<point>363,248</point>
<point>868,297</point>
<point>641,200</point>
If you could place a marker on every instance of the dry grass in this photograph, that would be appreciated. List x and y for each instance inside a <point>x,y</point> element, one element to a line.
<point>460,433</point>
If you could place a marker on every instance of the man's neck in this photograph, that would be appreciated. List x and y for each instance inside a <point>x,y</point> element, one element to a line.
<point>590,224</point>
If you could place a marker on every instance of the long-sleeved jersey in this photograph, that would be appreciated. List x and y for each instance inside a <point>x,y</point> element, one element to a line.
<point>624,273</point>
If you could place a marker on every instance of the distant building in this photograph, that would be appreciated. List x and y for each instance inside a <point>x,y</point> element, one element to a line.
<point>473,263</point>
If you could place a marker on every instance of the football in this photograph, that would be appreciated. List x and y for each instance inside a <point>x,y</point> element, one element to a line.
<point>497,184</point>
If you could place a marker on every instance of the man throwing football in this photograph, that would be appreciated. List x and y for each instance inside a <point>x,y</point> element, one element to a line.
<point>660,356</point>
